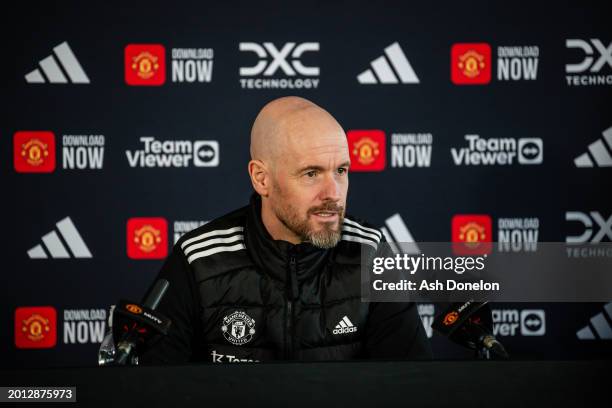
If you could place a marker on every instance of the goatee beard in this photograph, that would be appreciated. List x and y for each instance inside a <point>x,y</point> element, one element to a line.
<point>326,238</point>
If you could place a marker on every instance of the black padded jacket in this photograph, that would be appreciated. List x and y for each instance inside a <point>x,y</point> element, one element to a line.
<point>236,295</point>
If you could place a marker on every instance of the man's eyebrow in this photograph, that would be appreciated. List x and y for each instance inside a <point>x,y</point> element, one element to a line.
<point>310,168</point>
<point>320,168</point>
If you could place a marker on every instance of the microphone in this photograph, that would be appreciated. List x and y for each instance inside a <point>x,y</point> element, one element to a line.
<point>470,324</point>
<point>134,324</point>
<point>156,294</point>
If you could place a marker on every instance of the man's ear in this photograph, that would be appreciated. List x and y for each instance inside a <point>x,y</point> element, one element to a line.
<point>260,177</point>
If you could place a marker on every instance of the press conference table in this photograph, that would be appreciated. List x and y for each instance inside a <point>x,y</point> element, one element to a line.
<point>347,384</point>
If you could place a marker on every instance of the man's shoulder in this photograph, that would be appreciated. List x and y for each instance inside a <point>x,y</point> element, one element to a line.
<point>360,223</point>
<point>221,228</point>
<point>358,231</point>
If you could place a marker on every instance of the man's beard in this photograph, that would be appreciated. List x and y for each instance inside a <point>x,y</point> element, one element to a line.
<point>325,238</point>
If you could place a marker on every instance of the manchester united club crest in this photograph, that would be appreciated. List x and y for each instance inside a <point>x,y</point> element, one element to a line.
<point>145,65</point>
<point>36,327</point>
<point>450,318</point>
<point>367,148</point>
<point>35,152</point>
<point>238,328</point>
<point>366,151</point>
<point>147,238</point>
<point>471,234</point>
<point>471,63</point>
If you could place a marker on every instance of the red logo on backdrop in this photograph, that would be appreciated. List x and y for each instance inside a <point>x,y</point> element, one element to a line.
<point>471,64</point>
<point>145,64</point>
<point>35,327</point>
<point>147,238</point>
<point>34,152</point>
<point>471,234</point>
<point>367,149</point>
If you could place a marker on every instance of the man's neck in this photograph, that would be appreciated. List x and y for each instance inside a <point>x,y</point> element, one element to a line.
<point>275,227</point>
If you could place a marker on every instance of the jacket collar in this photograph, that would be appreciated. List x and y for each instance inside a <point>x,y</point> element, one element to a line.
<point>274,256</point>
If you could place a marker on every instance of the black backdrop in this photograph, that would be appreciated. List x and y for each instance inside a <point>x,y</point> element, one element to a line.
<point>350,35</point>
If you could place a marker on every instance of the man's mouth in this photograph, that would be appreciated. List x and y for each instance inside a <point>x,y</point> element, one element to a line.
<point>325,217</point>
<point>326,213</point>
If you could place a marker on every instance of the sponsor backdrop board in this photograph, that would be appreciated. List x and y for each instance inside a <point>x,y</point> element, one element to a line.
<point>126,126</point>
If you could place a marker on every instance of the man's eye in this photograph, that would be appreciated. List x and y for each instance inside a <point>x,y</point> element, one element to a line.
<point>311,174</point>
<point>342,170</point>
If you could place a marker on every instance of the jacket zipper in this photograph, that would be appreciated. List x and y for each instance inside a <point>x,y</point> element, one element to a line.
<point>291,296</point>
<point>289,334</point>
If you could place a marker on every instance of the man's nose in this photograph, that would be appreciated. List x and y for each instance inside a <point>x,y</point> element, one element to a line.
<point>331,190</point>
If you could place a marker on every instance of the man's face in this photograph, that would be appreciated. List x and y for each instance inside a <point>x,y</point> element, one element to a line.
<point>310,184</point>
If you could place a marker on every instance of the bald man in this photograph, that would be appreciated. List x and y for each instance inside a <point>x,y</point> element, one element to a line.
<point>299,167</point>
<point>280,278</point>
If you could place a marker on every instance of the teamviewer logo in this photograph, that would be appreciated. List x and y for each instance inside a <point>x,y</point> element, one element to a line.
<point>530,150</point>
<point>206,153</point>
<point>533,322</point>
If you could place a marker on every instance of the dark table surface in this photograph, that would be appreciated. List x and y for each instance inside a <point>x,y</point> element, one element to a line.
<point>345,384</point>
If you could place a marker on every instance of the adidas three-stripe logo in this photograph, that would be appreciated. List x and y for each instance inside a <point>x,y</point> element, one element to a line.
<point>396,233</point>
<point>213,242</point>
<point>344,326</point>
<point>355,232</point>
<point>56,248</point>
<point>384,72</point>
<point>598,150</point>
<point>600,324</point>
<point>53,72</point>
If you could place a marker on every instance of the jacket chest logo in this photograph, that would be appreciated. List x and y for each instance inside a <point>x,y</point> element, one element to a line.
<point>238,328</point>
<point>344,326</point>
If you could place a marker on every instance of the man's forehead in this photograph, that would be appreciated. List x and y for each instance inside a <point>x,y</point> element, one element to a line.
<point>325,152</point>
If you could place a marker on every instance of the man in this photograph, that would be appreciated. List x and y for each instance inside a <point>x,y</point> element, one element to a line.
<point>280,278</point>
